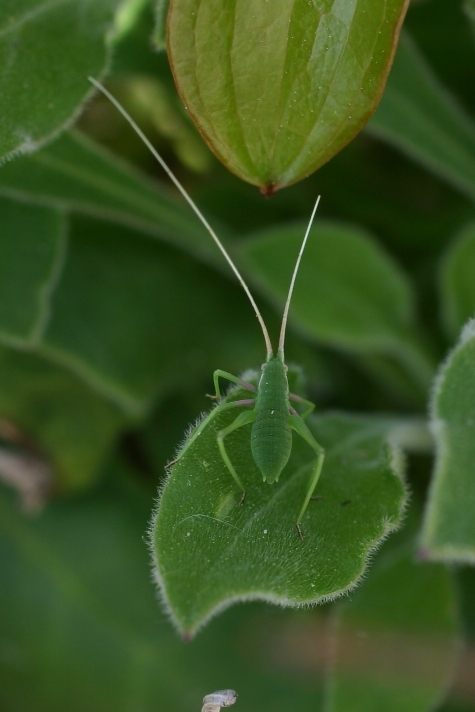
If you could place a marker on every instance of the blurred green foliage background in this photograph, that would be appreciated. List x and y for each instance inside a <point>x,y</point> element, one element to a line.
<point>111,325</point>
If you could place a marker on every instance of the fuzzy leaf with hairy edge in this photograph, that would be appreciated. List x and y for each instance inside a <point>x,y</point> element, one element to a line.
<point>209,552</point>
<point>277,88</point>
<point>47,49</point>
<point>449,525</point>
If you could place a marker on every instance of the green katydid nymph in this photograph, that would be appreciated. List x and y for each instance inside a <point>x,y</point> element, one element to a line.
<point>269,410</point>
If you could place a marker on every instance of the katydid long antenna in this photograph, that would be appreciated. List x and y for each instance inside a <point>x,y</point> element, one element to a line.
<point>192,204</point>
<point>292,282</point>
<point>210,230</point>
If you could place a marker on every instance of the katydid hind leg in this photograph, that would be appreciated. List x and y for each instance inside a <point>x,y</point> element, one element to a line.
<point>244,418</point>
<point>301,428</point>
<point>310,407</point>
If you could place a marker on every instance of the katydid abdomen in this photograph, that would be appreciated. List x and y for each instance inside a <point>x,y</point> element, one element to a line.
<point>271,438</point>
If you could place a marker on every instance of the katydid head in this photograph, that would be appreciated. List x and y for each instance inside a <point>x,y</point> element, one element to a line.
<point>201,217</point>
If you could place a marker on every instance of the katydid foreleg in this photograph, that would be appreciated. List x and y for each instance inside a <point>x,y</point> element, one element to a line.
<point>229,377</point>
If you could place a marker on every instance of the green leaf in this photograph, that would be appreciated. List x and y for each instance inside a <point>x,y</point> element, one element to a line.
<point>29,267</point>
<point>80,629</point>
<point>159,110</point>
<point>419,116</point>
<point>68,423</point>
<point>349,292</point>
<point>278,88</point>
<point>395,642</point>
<point>209,552</point>
<point>466,585</point>
<point>457,285</point>
<point>134,54</point>
<point>146,321</point>
<point>159,35</point>
<point>127,18</point>
<point>144,324</point>
<point>42,92</point>
<point>449,526</point>
<point>73,173</point>
<point>125,333</point>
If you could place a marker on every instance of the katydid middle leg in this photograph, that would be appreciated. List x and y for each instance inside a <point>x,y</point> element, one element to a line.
<point>216,411</point>
<point>301,428</point>
<point>244,418</point>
